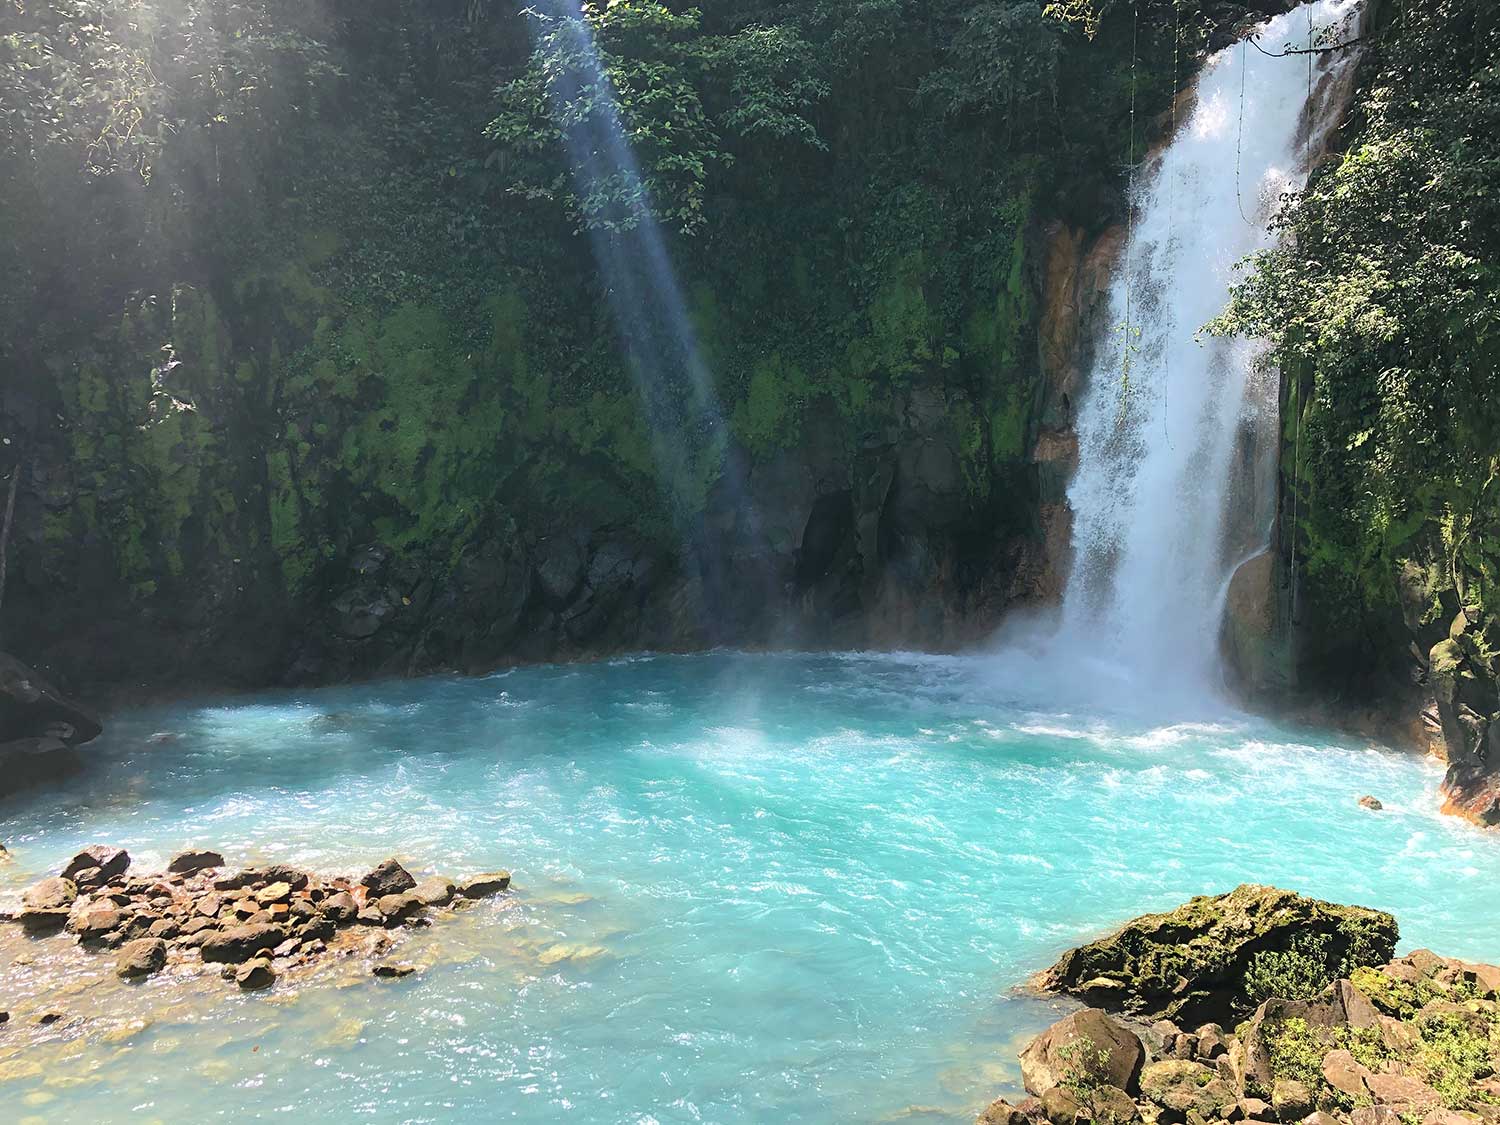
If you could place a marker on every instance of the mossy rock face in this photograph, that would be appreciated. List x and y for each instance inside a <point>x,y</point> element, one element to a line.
<point>1190,965</point>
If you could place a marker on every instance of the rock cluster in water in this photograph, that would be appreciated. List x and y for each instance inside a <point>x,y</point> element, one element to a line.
<point>1330,1038</point>
<point>252,922</point>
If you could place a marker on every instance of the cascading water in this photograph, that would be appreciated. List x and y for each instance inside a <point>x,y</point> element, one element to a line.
<point>1154,541</point>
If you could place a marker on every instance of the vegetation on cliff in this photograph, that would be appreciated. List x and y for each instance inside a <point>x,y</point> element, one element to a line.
<point>1382,303</point>
<point>293,280</point>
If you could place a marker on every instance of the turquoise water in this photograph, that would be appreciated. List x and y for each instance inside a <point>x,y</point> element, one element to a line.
<point>748,888</point>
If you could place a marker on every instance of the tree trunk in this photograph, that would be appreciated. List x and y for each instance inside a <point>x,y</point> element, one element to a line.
<point>10,513</point>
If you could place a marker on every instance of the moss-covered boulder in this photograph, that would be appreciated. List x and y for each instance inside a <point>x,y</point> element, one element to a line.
<point>1215,958</point>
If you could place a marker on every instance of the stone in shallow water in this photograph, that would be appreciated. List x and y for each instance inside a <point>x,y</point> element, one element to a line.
<point>480,886</point>
<point>389,878</point>
<point>141,958</point>
<point>255,974</point>
<point>1087,1039</point>
<point>435,890</point>
<point>394,969</point>
<point>1372,803</point>
<point>192,861</point>
<point>239,943</point>
<point>46,905</point>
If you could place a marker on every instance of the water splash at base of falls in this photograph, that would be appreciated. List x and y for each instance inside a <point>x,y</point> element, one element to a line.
<point>1162,511</point>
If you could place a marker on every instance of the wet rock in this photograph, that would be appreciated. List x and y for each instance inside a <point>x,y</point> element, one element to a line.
<point>163,928</point>
<point>482,886</point>
<point>287,948</point>
<point>340,907</point>
<point>389,878</point>
<point>398,908</point>
<point>192,861</point>
<point>1190,964</point>
<point>110,862</point>
<point>394,969</point>
<point>370,916</point>
<point>141,958</point>
<point>255,974</point>
<point>240,943</point>
<point>1371,803</point>
<point>1087,1041</point>
<point>94,922</point>
<point>435,890</point>
<point>47,1019</point>
<point>47,904</point>
<point>90,878</point>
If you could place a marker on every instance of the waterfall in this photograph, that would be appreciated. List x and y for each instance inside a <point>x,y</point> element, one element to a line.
<point>1168,419</point>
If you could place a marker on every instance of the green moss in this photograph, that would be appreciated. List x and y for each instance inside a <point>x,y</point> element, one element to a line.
<point>769,418</point>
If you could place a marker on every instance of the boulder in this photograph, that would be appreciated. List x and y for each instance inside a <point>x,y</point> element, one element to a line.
<point>141,958</point>
<point>389,878</point>
<point>1340,1005</point>
<point>240,943</point>
<point>1190,964</point>
<point>1001,1112</point>
<point>340,908</point>
<point>1291,1099</point>
<point>1180,1087</point>
<point>394,969</point>
<point>1086,1045</point>
<point>191,862</point>
<point>482,886</point>
<point>32,710</point>
<point>254,974</point>
<point>94,921</point>
<point>110,862</point>
<point>397,908</point>
<point>46,905</point>
<point>1372,803</point>
<point>435,890</point>
<point>273,893</point>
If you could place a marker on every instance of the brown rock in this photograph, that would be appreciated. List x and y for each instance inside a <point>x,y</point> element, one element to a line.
<point>1375,1115</point>
<point>141,958</point>
<point>46,905</point>
<point>1344,1073</point>
<point>191,862</point>
<point>110,862</point>
<point>435,890</point>
<point>1181,1087</point>
<point>1292,1100</point>
<point>340,907</point>
<point>1211,1042</point>
<point>397,908</point>
<point>94,922</point>
<point>389,878</point>
<point>273,892</point>
<point>240,943</point>
<point>1001,1112</point>
<point>1409,1094</point>
<point>1085,1043</point>
<point>370,916</point>
<point>482,886</point>
<point>254,974</point>
<point>1371,803</point>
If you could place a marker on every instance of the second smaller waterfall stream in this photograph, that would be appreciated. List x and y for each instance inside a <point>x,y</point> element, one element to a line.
<point>1166,414</point>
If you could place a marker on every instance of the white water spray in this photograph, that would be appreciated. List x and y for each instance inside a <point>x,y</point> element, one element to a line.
<point>1165,413</point>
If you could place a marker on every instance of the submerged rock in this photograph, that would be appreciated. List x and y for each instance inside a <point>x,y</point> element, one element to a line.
<point>1191,964</point>
<point>1372,803</point>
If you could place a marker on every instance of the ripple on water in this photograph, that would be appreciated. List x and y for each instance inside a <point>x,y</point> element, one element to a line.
<point>749,887</point>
